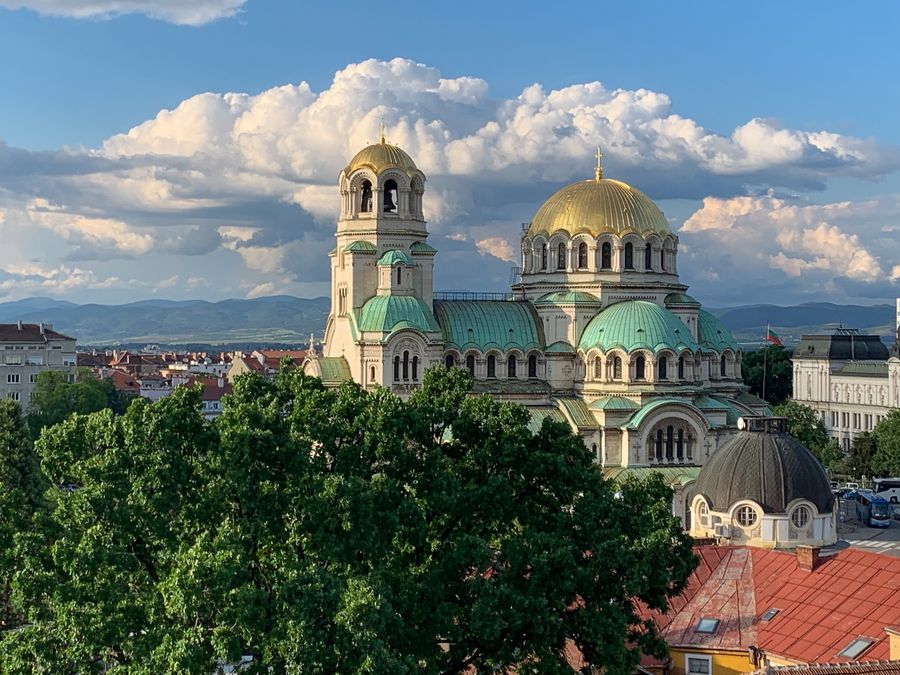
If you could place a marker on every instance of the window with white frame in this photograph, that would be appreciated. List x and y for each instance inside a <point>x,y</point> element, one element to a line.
<point>12,378</point>
<point>746,516</point>
<point>800,517</point>
<point>33,378</point>
<point>13,395</point>
<point>697,664</point>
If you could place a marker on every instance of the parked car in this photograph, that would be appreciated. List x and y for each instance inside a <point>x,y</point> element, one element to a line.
<point>851,486</point>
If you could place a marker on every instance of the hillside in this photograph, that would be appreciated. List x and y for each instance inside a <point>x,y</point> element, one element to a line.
<point>288,320</point>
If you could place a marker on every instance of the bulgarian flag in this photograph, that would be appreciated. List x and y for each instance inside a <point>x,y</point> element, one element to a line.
<point>772,337</point>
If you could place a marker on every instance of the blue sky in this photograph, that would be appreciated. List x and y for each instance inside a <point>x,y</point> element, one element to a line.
<point>764,127</point>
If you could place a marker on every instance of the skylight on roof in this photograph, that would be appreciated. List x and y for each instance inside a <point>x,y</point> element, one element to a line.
<point>857,647</point>
<point>707,626</point>
<point>770,614</point>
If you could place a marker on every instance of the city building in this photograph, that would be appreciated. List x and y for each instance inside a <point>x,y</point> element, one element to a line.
<point>598,331</point>
<point>26,351</point>
<point>850,379</point>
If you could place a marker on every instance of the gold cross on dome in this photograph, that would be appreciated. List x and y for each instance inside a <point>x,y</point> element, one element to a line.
<point>598,172</point>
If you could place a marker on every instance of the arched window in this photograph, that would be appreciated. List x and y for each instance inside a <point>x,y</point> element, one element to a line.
<point>679,445</point>
<point>606,256</point>
<point>372,374</point>
<point>399,274</point>
<point>532,366</point>
<point>659,445</point>
<point>449,361</point>
<point>663,368</point>
<point>415,369</point>
<point>405,365</point>
<point>640,368</point>
<point>561,256</point>
<point>390,196</point>
<point>680,367</point>
<point>582,256</point>
<point>629,256</point>
<point>491,366</point>
<point>662,259</point>
<point>648,257</point>
<point>396,369</point>
<point>800,517</point>
<point>746,516</point>
<point>511,366</point>
<point>670,443</point>
<point>703,513</point>
<point>543,257</point>
<point>470,364</point>
<point>598,368</point>
<point>722,366</point>
<point>617,368</point>
<point>365,204</point>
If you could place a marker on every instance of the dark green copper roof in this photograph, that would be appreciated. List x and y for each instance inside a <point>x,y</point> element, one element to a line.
<point>568,298</point>
<point>682,299</point>
<point>334,369</point>
<point>712,334</point>
<point>484,325</point>
<point>637,324</point>
<point>389,313</point>
<point>360,247</point>
<point>422,247</point>
<point>394,257</point>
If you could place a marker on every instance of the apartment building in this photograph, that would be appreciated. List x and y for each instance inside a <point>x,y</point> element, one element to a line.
<point>28,349</point>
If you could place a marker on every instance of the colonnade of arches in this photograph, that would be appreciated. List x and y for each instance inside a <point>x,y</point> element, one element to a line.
<point>641,366</point>
<point>671,442</point>
<point>392,193</point>
<point>608,253</point>
<point>495,364</point>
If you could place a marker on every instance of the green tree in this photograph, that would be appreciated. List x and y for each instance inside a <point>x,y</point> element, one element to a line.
<point>778,369</point>
<point>806,426</point>
<point>324,531</point>
<point>22,486</point>
<point>54,398</point>
<point>886,460</point>
<point>859,461</point>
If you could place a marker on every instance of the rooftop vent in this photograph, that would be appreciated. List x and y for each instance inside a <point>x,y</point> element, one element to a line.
<point>770,614</point>
<point>706,625</point>
<point>857,647</point>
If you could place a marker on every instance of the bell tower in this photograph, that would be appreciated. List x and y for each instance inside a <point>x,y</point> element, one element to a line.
<point>381,237</point>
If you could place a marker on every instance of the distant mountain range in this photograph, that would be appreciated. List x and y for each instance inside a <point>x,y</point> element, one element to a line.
<point>284,319</point>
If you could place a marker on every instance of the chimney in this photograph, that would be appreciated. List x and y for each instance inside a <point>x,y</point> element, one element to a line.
<point>41,327</point>
<point>894,641</point>
<point>807,557</point>
<point>20,324</point>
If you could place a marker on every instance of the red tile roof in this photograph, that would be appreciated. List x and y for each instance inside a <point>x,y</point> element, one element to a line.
<point>850,594</point>
<point>873,667</point>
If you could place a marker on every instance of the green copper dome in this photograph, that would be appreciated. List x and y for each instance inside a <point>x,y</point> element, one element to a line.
<point>390,313</point>
<point>637,324</point>
<point>712,334</point>
<point>568,298</point>
<point>394,257</point>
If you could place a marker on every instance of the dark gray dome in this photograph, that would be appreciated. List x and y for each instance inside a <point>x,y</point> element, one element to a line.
<point>769,467</point>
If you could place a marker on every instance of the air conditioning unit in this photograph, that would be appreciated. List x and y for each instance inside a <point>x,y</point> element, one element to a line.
<point>722,530</point>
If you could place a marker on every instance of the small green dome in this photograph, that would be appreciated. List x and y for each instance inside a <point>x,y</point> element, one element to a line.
<point>393,257</point>
<point>568,298</point>
<point>637,324</point>
<point>560,347</point>
<point>712,334</point>
<point>390,313</point>
<point>680,299</point>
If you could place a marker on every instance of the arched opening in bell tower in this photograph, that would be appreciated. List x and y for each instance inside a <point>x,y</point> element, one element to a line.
<point>390,196</point>
<point>365,204</point>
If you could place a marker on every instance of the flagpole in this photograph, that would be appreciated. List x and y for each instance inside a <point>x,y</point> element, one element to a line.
<point>765,355</point>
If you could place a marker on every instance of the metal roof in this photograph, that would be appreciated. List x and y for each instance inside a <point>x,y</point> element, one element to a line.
<point>389,313</point>
<point>842,345</point>
<point>863,369</point>
<point>395,257</point>
<point>334,369</point>
<point>614,403</point>
<point>380,156</point>
<point>487,325</point>
<point>712,334</point>
<point>598,207</point>
<point>568,298</point>
<point>638,418</point>
<point>360,247</point>
<point>422,247</point>
<point>673,475</point>
<point>541,412</point>
<point>637,324</point>
<point>578,410</point>
<point>560,347</point>
<point>681,299</point>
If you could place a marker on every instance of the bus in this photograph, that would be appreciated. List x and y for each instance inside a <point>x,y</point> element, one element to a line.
<point>889,488</point>
<point>872,509</point>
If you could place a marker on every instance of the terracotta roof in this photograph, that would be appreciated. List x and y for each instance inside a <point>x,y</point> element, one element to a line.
<point>892,667</point>
<point>29,332</point>
<point>850,594</point>
<point>211,389</point>
<point>123,381</point>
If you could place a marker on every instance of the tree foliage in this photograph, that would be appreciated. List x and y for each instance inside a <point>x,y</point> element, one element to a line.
<point>337,531</point>
<point>886,458</point>
<point>54,398</point>
<point>778,370</point>
<point>804,424</point>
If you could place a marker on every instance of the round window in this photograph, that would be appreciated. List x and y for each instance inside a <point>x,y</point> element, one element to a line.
<point>746,516</point>
<point>800,517</point>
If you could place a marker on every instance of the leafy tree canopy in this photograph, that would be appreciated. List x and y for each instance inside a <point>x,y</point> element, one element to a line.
<point>886,459</point>
<point>54,398</point>
<point>778,369</point>
<point>337,531</point>
<point>804,424</point>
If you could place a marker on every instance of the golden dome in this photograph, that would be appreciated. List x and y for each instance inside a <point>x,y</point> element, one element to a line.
<point>380,156</point>
<point>599,206</point>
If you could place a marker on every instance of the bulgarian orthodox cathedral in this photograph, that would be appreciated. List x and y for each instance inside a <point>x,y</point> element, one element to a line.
<point>597,332</point>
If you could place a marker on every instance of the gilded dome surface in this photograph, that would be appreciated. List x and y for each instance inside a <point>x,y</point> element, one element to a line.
<point>598,207</point>
<point>380,156</point>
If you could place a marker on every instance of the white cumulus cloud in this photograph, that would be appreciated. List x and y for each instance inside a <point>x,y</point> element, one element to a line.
<point>184,12</point>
